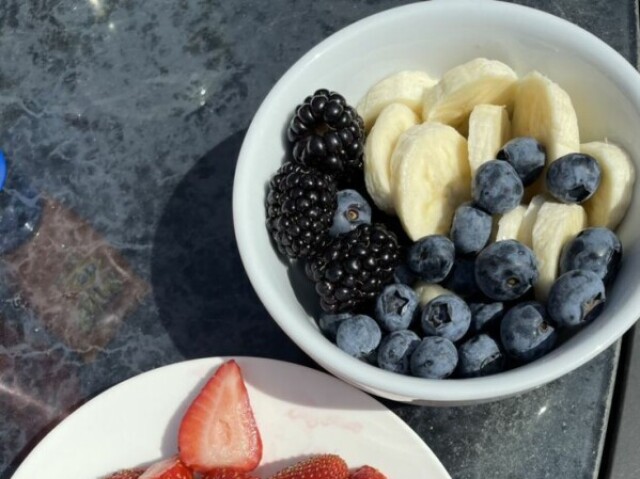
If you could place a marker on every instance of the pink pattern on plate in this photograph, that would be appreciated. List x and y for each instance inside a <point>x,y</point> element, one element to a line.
<point>313,420</point>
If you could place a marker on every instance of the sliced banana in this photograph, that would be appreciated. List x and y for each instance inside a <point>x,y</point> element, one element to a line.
<point>393,120</point>
<point>609,203</point>
<point>427,291</point>
<point>405,87</point>
<point>510,223</point>
<point>489,130</point>
<point>544,111</point>
<point>431,178</point>
<point>480,81</point>
<point>529,219</point>
<point>555,225</point>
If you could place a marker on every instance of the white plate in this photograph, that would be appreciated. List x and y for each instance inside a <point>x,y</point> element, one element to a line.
<point>299,411</point>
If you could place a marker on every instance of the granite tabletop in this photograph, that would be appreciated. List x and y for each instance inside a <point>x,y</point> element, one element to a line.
<point>122,120</point>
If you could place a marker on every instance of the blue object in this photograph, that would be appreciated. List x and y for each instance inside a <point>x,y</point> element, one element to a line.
<point>526,332</point>
<point>396,307</point>
<point>526,155</point>
<point>479,356</point>
<point>403,275</point>
<point>434,358</point>
<point>395,351</point>
<point>573,178</point>
<point>576,298</point>
<point>447,316</point>
<point>497,187</point>
<point>431,258</point>
<point>3,169</point>
<point>505,270</point>
<point>485,316</point>
<point>359,336</point>
<point>470,229</point>
<point>352,211</point>
<point>594,249</point>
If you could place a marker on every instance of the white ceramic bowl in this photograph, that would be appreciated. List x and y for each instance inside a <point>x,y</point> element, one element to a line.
<point>435,36</point>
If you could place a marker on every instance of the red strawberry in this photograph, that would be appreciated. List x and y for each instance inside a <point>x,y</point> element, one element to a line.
<point>171,468</point>
<point>227,474</point>
<point>325,466</point>
<point>218,430</point>
<point>126,474</point>
<point>367,472</point>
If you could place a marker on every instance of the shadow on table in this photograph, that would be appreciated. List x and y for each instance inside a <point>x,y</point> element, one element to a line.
<point>203,295</point>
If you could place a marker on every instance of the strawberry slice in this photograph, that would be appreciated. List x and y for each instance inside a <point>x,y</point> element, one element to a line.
<point>219,430</point>
<point>227,474</point>
<point>171,468</point>
<point>325,466</point>
<point>367,472</point>
<point>126,474</point>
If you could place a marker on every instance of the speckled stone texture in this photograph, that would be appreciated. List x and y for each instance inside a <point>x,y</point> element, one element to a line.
<point>130,114</point>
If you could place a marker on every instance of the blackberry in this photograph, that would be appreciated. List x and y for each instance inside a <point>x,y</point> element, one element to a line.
<point>300,207</point>
<point>327,134</point>
<point>354,268</point>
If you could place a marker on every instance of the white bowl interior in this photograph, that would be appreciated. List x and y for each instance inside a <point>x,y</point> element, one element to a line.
<point>435,36</point>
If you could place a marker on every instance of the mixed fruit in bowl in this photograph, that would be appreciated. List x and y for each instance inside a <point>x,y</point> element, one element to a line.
<point>451,228</point>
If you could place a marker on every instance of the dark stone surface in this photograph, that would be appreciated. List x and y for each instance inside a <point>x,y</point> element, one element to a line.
<point>131,114</point>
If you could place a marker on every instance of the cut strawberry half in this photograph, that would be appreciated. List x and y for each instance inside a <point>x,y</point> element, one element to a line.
<point>367,472</point>
<point>227,474</point>
<point>171,468</point>
<point>325,466</point>
<point>219,430</point>
<point>126,474</point>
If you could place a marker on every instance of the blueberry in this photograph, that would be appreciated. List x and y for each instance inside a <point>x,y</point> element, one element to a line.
<point>328,323</point>
<point>471,229</point>
<point>352,211</point>
<point>573,178</point>
<point>594,249</point>
<point>497,187</point>
<point>485,316</point>
<point>403,275</point>
<point>526,332</point>
<point>505,270</point>
<point>359,336</point>
<point>396,307</point>
<point>396,349</point>
<point>526,155</point>
<point>20,212</point>
<point>576,298</point>
<point>434,358</point>
<point>431,258</point>
<point>447,316</point>
<point>479,356</point>
<point>462,279</point>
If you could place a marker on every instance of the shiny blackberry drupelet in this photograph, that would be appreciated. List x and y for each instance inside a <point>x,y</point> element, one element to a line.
<point>354,268</point>
<point>300,207</point>
<point>327,134</point>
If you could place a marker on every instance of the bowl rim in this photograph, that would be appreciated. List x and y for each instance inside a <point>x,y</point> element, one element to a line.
<point>369,377</point>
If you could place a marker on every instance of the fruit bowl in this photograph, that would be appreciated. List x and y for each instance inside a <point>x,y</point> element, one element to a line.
<point>434,37</point>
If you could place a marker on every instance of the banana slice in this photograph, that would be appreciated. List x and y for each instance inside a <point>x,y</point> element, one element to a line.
<point>393,120</point>
<point>555,225</point>
<point>544,111</point>
<point>465,86</point>
<point>609,203</point>
<point>431,178</point>
<point>528,220</point>
<point>427,291</point>
<point>489,130</point>
<point>405,87</point>
<point>510,223</point>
